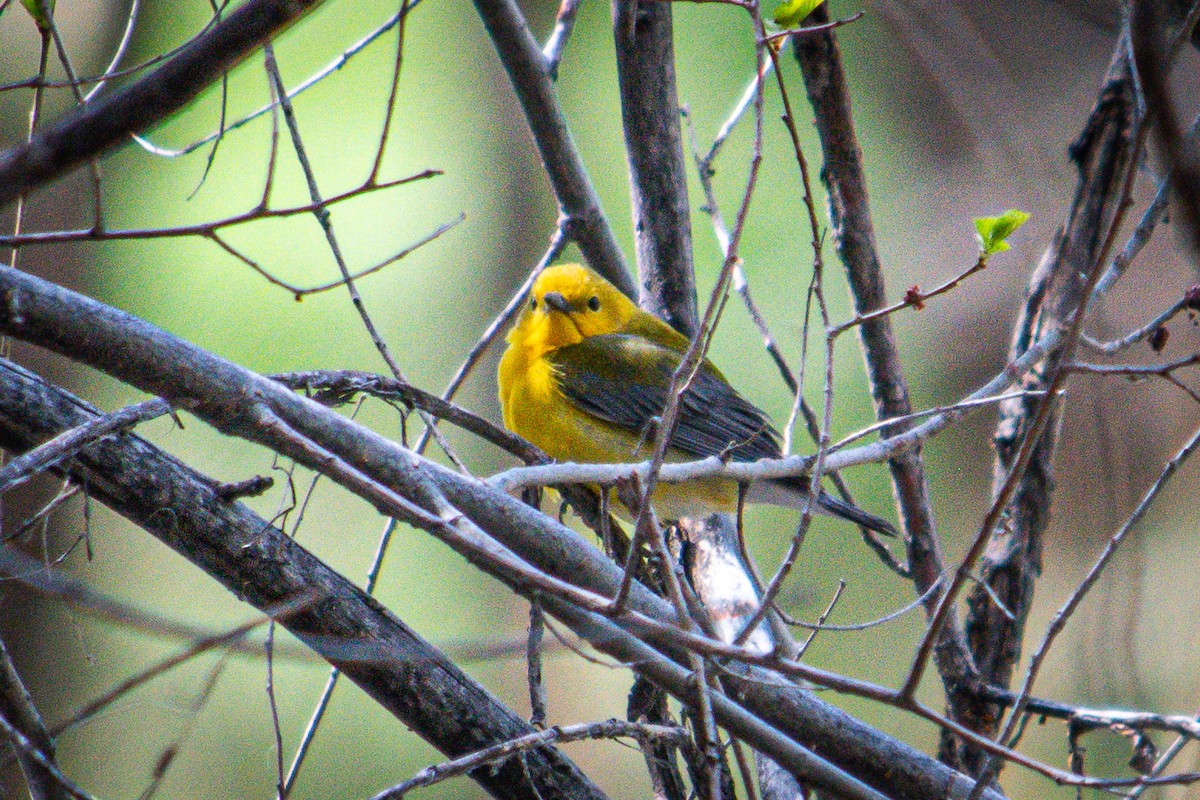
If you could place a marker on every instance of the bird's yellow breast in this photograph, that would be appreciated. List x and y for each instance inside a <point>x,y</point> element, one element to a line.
<point>534,407</point>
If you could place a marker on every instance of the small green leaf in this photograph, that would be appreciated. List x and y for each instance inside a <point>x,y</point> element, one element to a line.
<point>992,231</point>
<point>791,13</point>
<point>42,12</point>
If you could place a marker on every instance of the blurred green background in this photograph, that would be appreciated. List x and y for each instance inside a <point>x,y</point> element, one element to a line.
<point>962,111</point>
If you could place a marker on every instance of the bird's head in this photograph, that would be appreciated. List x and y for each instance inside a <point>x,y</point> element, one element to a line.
<point>568,303</point>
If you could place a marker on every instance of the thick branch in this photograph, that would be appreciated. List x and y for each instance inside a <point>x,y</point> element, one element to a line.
<point>263,566</point>
<point>854,235</point>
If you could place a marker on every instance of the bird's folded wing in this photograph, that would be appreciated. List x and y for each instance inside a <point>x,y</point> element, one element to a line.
<point>623,380</point>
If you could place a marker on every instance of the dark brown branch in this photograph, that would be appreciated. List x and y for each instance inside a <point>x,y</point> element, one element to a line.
<point>17,707</point>
<point>531,80</point>
<point>854,235</point>
<point>209,228</point>
<point>1155,38</point>
<point>1105,154</point>
<point>108,121</point>
<point>266,568</point>
<point>657,170</point>
<point>336,387</point>
<point>914,297</point>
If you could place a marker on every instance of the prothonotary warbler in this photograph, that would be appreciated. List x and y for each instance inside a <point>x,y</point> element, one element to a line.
<point>586,374</point>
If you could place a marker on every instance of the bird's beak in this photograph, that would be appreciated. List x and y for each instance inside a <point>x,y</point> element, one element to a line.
<point>557,302</point>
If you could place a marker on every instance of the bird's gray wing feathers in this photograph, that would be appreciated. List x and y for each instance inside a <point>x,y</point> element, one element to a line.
<point>623,380</point>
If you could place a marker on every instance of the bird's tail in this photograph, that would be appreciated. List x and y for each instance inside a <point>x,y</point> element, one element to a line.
<point>852,513</point>
<point>791,492</point>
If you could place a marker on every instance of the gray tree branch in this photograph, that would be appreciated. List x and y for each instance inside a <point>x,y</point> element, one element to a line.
<point>265,567</point>
<point>17,707</point>
<point>243,404</point>
<point>662,222</point>
<point>1105,153</point>
<point>529,73</point>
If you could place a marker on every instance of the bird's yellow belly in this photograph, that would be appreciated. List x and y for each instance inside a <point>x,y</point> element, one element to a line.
<point>535,409</point>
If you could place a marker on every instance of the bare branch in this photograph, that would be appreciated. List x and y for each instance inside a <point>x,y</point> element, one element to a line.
<point>16,706</point>
<point>1065,283</point>
<point>210,227</point>
<point>62,785</point>
<point>239,402</point>
<point>267,568</point>
<point>564,23</point>
<point>105,123</point>
<point>854,236</point>
<point>577,198</point>
<point>913,298</point>
<point>609,729</point>
<point>1134,370</point>
<point>69,442</point>
<point>657,171</point>
<point>1068,608</point>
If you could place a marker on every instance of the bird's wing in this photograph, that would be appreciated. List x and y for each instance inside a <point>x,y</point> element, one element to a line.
<point>623,380</point>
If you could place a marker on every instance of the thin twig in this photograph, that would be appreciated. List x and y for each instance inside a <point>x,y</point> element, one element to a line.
<point>815,629</point>
<point>303,291</point>
<point>705,170</point>
<point>234,636</point>
<point>73,83</point>
<point>342,60</point>
<point>273,704</point>
<point>609,729</point>
<point>1134,371</point>
<point>556,44</point>
<point>1160,765</point>
<point>335,387</point>
<point>913,298</point>
<point>119,53</point>
<point>393,90</point>
<point>30,750</point>
<point>1149,221</point>
<point>821,625</point>
<point>66,444</point>
<point>323,219</point>
<point>1115,137</point>
<point>35,114</point>
<point>810,30</point>
<point>1059,621</point>
<point>533,662</point>
<point>207,229</point>
<point>16,705</point>
<point>577,197</point>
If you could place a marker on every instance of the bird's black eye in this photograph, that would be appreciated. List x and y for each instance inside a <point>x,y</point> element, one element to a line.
<point>533,304</point>
<point>594,303</point>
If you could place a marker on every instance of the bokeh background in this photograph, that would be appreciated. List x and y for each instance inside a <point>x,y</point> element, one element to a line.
<point>963,110</point>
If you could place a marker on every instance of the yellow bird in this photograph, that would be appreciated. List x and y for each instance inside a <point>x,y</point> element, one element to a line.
<point>587,372</point>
